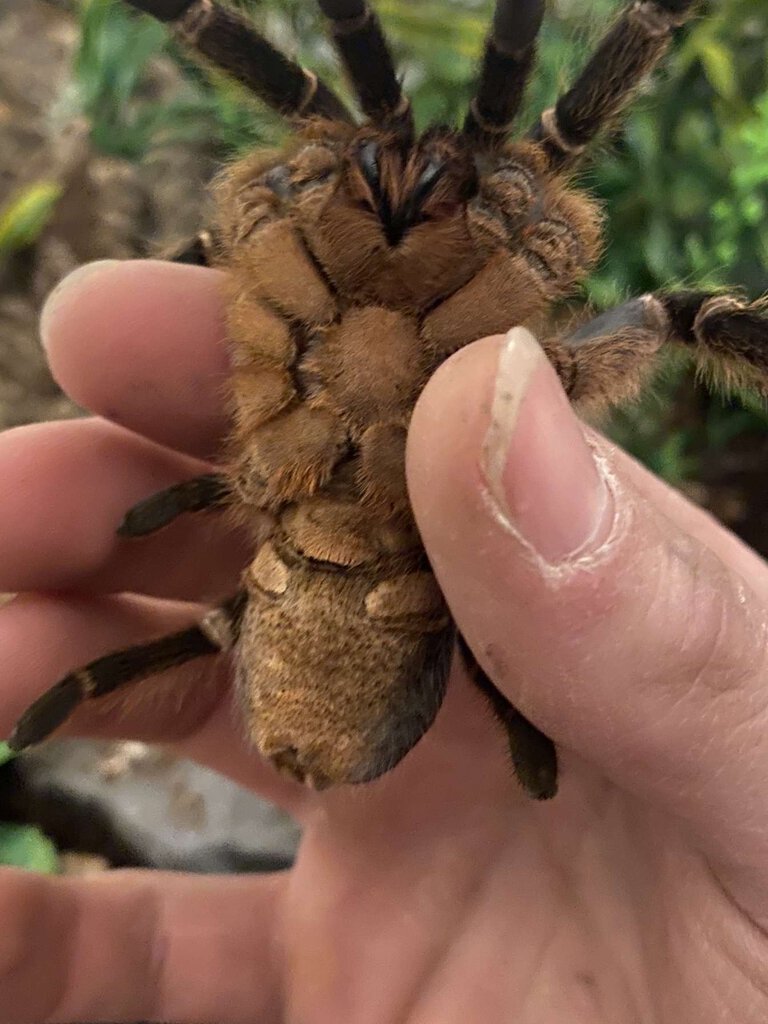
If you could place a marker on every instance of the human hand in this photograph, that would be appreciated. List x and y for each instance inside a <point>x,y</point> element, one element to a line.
<point>437,894</point>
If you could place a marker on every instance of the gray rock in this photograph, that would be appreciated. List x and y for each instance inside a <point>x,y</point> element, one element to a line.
<point>137,806</point>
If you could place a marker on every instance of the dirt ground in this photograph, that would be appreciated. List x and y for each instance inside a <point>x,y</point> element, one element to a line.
<point>110,208</point>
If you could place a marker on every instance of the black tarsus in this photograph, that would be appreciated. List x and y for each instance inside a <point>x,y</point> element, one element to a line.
<point>534,757</point>
<point>510,51</point>
<point>675,6</point>
<point>196,495</point>
<point>634,313</point>
<point>105,675</point>
<point>47,713</point>
<point>230,42</point>
<point>362,45</point>
<point>715,328</point>
<point>682,308</point>
<point>724,326</point>
<point>163,10</point>
<point>629,50</point>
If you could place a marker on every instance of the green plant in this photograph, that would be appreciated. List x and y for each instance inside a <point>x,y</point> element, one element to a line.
<point>25,216</point>
<point>113,89</point>
<point>685,185</point>
<point>23,846</point>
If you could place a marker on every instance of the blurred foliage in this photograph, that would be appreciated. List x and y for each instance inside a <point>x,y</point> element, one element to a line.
<point>686,183</point>
<point>26,214</point>
<point>112,88</point>
<point>684,179</point>
<point>685,186</point>
<point>23,846</point>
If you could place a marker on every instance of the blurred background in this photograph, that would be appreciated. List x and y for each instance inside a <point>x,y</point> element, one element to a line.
<point>108,136</point>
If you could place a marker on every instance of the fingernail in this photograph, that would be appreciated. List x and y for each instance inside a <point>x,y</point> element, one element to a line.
<point>544,481</point>
<point>65,290</point>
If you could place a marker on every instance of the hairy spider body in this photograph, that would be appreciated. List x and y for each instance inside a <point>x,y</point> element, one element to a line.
<point>336,324</point>
<point>357,260</point>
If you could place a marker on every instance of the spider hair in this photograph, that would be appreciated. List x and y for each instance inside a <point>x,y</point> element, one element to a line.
<point>630,49</point>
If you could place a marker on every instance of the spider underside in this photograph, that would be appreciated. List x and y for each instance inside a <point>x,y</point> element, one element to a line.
<point>358,259</point>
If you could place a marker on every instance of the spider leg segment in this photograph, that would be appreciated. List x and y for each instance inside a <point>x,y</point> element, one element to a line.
<point>360,40</point>
<point>509,55</point>
<point>157,511</point>
<point>607,360</point>
<point>232,44</point>
<point>632,48</point>
<point>729,337</point>
<point>534,757</point>
<point>217,632</point>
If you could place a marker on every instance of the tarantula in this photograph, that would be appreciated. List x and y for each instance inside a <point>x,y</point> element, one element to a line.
<point>358,259</point>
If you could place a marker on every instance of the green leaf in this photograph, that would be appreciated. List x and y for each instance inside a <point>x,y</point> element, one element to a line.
<point>719,68</point>
<point>6,754</point>
<point>25,217</point>
<point>22,846</point>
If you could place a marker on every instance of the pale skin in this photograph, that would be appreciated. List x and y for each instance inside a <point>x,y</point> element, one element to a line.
<point>438,895</point>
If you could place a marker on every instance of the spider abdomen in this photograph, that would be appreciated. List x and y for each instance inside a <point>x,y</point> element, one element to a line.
<point>340,672</point>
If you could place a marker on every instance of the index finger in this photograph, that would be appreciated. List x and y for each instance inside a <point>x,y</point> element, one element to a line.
<point>130,946</point>
<point>141,343</point>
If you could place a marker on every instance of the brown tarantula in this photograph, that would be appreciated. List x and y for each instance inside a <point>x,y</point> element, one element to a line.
<point>358,259</point>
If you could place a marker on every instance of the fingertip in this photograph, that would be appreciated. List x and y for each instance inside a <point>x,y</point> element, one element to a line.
<point>142,344</point>
<point>68,290</point>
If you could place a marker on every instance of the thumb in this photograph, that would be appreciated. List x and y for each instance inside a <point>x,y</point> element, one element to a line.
<point>624,622</point>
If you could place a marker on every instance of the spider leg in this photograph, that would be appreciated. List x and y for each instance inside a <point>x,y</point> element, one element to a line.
<point>729,338</point>
<point>607,360</point>
<point>360,40</point>
<point>632,48</point>
<point>157,511</point>
<point>510,51</point>
<point>217,632</point>
<point>232,44</point>
<point>534,757</point>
